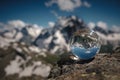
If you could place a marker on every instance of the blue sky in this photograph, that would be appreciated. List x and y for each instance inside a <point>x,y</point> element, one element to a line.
<point>40,11</point>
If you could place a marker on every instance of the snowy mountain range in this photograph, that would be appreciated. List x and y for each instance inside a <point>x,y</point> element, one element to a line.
<point>26,34</point>
<point>108,36</point>
<point>55,39</point>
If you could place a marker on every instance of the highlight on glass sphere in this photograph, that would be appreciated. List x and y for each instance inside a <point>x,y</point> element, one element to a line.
<point>84,44</point>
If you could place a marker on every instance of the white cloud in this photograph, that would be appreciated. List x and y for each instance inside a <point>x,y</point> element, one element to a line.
<point>14,68</point>
<point>51,24</point>
<point>67,5</point>
<point>60,41</point>
<point>115,28</point>
<point>37,68</point>
<point>86,4</point>
<point>55,13</point>
<point>112,37</point>
<point>50,3</point>
<point>42,70</point>
<point>47,41</point>
<point>12,24</point>
<point>102,24</point>
<point>91,25</point>
<point>16,23</point>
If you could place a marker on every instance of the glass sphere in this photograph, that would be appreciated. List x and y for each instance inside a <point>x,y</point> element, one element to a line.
<point>84,44</point>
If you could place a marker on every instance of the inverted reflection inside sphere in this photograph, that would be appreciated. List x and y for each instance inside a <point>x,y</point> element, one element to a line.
<point>84,44</point>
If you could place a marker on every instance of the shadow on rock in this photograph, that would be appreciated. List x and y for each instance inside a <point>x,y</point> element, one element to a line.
<point>66,60</point>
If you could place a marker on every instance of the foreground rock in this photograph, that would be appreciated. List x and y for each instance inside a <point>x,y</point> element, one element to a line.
<point>102,67</point>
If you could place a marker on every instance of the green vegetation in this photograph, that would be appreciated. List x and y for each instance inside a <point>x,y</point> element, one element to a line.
<point>50,58</point>
<point>106,48</point>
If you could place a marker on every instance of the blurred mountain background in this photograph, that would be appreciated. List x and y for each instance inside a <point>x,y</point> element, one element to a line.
<point>56,38</point>
<point>35,33</point>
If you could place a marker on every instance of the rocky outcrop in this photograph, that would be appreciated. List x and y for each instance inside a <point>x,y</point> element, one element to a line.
<point>102,67</point>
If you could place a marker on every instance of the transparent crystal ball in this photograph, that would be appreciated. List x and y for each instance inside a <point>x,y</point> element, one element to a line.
<point>84,44</point>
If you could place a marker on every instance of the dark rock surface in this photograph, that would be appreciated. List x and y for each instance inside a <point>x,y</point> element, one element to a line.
<point>102,67</point>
